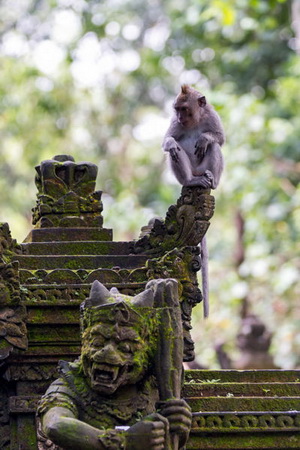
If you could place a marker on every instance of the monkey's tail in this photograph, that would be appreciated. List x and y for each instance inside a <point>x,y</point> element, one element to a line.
<point>204,275</point>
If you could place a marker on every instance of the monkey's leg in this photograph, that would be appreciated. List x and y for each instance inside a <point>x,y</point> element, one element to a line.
<point>205,181</point>
<point>181,167</point>
<point>207,174</point>
<point>215,163</point>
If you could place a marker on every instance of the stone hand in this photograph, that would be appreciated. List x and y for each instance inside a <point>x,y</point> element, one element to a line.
<point>179,415</point>
<point>153,430</point>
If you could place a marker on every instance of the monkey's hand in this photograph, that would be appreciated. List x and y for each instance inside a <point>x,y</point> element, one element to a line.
<point>172,147</point>
<point>201,146</point>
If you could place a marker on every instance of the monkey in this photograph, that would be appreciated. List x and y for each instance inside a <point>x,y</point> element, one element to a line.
<point>193,141</point>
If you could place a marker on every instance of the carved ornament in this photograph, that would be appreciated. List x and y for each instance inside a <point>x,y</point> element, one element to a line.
<point>185,224</point>
<point>66,196</point>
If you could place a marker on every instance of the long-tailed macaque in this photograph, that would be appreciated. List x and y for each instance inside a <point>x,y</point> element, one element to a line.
<point>194,141</point>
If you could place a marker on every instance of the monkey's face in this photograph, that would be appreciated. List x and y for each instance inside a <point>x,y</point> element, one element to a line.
<point>188,113</point>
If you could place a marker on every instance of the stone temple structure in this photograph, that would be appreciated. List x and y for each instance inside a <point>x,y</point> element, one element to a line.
<point>44,280</point>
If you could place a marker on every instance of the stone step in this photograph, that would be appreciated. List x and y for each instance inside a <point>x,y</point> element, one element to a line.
<point>241,389</point>
<point>242,376</point>
<point>69,234</point>
<point>76,248</point>
<point>53,314</point>
<point>45,334</point>
<point>79,262</point>
<point>243,403</point>
<point>256,421</point>
<point>267,439</point>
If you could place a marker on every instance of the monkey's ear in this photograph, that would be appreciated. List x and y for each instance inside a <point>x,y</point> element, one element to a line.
<point>202,101</point>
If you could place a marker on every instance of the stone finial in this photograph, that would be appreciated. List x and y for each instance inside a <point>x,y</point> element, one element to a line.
<point>66,194</point>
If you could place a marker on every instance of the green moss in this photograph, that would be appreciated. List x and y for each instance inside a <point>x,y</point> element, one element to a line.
<point>244,376</point>
<point>231,440</point>
<point>243,404</point>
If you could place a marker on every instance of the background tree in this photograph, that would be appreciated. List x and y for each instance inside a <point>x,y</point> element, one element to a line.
<point>97,79</point>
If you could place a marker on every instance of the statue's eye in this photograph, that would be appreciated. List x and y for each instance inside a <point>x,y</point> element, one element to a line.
<point>97,343</point>
<point>124,347</point>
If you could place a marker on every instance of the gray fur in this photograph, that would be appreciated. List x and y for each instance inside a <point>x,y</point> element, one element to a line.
<point>193,141</point>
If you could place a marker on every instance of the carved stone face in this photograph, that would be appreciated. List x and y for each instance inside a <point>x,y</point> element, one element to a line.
<point>113,355</point>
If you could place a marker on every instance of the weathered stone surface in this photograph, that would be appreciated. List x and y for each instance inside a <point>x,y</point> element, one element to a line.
<point>52,314</point>
<point>76,248</point>
<point>242,389</point>
<point>252,409</point>
<point>69,234</point>
<point>185,224</point>
<point>255,421</point>
<point>212,440</point>
<point>130,365</point>
<point>87,262</point>
<point>66,196</point>
<point>244,404</point>
<point>181,264</point>
<point>13,335</point>
<point>245,376</point>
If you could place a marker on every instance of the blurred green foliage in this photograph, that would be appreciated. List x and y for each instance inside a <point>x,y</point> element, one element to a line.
<point>97,79</point>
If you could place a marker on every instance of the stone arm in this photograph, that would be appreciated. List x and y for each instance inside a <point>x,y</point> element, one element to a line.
<point>61,426</point>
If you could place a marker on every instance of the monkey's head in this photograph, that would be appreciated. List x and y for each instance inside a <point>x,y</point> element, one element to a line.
<point>189,107</point>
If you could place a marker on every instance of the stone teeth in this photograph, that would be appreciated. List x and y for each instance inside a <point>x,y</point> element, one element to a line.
<point>106,373</point>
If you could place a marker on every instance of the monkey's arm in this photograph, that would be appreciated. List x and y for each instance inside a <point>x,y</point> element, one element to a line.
<point>170,143</point>
<point>171,146</point>
<point>207,138</point>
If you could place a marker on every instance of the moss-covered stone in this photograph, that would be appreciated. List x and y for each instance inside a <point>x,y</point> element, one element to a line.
<point>69,234</point>
<point>78,262</point>
<point>243,403</point>
<point>242,389</point>
<point>245,376</point>
<point>76,248</point>
<point>244,441</point>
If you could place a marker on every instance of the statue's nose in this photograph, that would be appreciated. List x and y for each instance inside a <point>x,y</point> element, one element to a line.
<point>108,355</point>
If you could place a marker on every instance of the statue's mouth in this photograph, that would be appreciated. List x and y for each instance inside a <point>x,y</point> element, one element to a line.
<point>105,374</point>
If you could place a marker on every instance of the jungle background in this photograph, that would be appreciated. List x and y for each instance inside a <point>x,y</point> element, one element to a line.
<point>96,79</point>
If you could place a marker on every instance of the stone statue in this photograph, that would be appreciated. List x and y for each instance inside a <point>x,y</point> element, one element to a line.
<point>253,341</point>
<point>124,390</point>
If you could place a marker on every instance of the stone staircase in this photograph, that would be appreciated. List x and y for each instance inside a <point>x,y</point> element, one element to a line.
<point>252,409</point>
<point>57,267</point>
